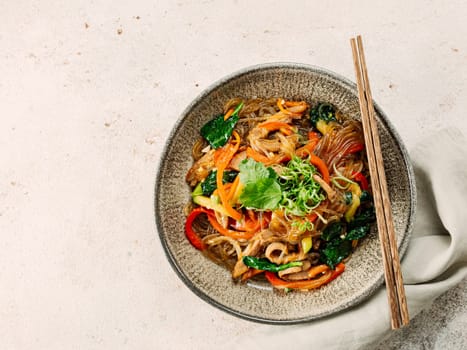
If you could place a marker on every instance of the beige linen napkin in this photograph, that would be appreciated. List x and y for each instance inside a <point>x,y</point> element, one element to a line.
<point>436,259</point>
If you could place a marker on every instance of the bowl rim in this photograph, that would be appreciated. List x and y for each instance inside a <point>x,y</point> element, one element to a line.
<point>197,100</point>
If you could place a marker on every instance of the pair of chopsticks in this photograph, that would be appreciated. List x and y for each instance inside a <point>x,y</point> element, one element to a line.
<point>391,262</point>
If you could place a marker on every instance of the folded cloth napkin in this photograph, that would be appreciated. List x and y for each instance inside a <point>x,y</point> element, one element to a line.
<point>435,261</point>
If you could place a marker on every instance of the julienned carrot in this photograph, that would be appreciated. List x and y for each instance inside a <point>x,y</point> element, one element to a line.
<point>312,217</point>
<point>293,103</point>
<point>251,223</point>
<point>222,160</point>
<point>322,167</point>
<point>286,129</point>
<point>226,232</point>
<point>251,273</point>
<point>280,103</point>
<point>309,147</point>
<point>233,187</point>
<point>313,136</point>
<point>279,158</point>
<point>251,153</point>
<point>229,113</point>
<point>317,270</point>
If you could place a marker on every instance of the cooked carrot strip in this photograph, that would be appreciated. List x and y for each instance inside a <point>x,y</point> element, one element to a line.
<point>285,128</point>
<point>229,113</point>
<point>251,273</point>
<point>250,223</point>
<point>312,217</point>
<point>222,160</point>
<point>226,232</point>
<point>280,104</point>
<point>313,136</point>
<point>279,158</point>
<point>233,187</point>
<point>293,103</point>
<point>250,152</point>
<point>316,270</point>
<point>306,150</point>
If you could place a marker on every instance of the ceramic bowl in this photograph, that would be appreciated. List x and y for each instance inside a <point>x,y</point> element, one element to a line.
<point>257,301</point>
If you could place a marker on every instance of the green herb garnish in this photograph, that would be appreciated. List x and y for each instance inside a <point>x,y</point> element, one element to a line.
<point>300,192</point>
<point>262,191</point>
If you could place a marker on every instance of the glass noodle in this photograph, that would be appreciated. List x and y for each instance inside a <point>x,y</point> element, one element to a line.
<point>279,191</point>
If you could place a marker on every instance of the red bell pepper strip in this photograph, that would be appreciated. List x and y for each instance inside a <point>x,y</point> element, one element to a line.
<point>337,271</point>
<point>322,167</point>
<point>357,147</point>
<point>306,284</point>
<point>192,236</point>
<point>362,180</point>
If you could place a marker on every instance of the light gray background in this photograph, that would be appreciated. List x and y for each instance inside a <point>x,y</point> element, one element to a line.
<point>89,91</point>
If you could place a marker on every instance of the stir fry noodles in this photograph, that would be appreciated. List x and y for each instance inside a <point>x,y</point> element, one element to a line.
<point>279,189</point>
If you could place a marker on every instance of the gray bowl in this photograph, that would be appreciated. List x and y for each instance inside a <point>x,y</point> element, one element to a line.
<point>256,301</point>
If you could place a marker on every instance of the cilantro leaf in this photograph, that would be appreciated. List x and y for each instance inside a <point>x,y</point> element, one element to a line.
<point>262,191</point>
<point>252,171</point>
<point>263,194</point>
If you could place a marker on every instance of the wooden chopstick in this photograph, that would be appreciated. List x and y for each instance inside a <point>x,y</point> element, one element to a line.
<point>392,269</point>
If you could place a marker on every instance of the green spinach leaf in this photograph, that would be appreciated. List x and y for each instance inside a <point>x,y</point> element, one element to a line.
<point>335,251</point>
<point>358,232</point>
<point>366,216</point>
<point>266,265</point>
<point>218,131</point>
<point>210,183</point>
<point>332,231</point>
